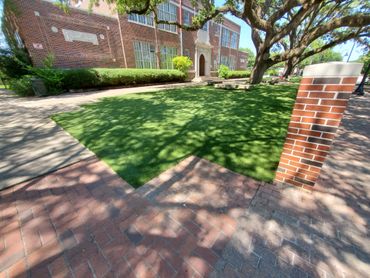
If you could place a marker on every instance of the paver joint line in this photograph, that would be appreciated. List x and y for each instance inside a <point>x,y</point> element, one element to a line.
<point>206,222</point>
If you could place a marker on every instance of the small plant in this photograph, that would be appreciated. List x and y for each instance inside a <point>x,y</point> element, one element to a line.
<point>182,63</point>
<point>53,78</point>
<point>223,71</point>
<point>22,86</point>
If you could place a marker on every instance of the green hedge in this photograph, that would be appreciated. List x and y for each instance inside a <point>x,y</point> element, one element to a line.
<point>101,77</point>
<point>238,74</point>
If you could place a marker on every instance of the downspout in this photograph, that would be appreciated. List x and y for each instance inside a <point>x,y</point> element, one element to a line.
<point>219,45</point>
<point>181,42</point>
<point>157,50</point>
<point>122,44</point>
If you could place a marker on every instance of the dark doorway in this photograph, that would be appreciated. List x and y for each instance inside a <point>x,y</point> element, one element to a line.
<point>202,65</point>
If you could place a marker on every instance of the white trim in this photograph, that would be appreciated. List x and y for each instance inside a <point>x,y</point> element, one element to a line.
<point>223,26</point>
<point>176,33</point>
<point>139,23</point>
<point>333,69</point>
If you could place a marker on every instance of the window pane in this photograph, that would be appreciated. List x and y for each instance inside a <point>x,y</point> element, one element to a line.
<point>144,55</point>
<point>168,12</point>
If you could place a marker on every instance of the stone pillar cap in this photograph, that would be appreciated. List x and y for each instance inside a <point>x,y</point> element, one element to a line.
<point>333,69</point>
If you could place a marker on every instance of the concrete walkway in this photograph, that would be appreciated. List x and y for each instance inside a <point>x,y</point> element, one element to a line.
<point>31,144</point>
<point>194,220</point>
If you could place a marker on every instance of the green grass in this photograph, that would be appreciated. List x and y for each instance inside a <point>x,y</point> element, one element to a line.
<point>142,135</point>
<point>2,86</point>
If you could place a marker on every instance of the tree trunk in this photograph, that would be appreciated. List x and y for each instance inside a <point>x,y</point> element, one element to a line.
<point>259,68</point>
<point>288,69</point>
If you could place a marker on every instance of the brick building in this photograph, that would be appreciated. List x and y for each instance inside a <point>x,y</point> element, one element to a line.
<point>102,38</point>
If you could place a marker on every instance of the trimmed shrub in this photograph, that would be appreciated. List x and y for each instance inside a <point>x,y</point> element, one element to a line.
<point>238,74</point>
<point>104,77</point>
<point>58,80</point>
<point>52,78</point>
<point>22,86</point>
<point>223,71</point>
<point>124,77</point>
<point>272,72</point>
<point>182,63</point>
<point>80,79</point>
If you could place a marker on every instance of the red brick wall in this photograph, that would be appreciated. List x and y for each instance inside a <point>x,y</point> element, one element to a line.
<point>242,60</point>
<point>316,115</point>
<point>36,30</point>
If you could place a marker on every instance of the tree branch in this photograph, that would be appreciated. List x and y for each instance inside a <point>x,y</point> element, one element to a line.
<point>251,11</point>
<point>194,27</point>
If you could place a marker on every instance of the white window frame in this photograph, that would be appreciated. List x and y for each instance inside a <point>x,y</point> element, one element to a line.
<point>225,38</point>
<point>217,29</point>
<point>134,18</point>
<point>189,16</point>
<point>144,56</point>
<point>167,11</point>
<point>233,40</point>
<point>167,54</point>
<point>187,52</point>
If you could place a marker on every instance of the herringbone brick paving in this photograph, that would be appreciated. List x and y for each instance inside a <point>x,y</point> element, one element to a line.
<point>195,220</point>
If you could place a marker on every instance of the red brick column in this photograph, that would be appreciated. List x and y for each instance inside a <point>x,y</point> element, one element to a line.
<point>322,98</point>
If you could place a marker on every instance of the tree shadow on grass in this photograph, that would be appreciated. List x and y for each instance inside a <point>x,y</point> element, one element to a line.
<point>142,135</point>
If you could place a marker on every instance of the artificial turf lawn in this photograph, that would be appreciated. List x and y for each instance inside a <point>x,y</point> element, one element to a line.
<point>142,135</point>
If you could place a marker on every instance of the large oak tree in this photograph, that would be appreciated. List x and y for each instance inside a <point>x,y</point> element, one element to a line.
<point>276,22</point>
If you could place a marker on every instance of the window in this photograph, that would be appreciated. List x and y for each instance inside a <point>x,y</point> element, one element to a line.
<point>234,40</point>
<point>217,30</point>
<point>142,19</point>
<point>232,62</point>
<point>187,17</point>
<point>167,11</point>
<point>225,39</point>
<point>215,64</point>
<point>229,39</point>
<point>144,55</point>
<point>18,39</point>
<point>229,61</point>
<point>205,27</point>
<point>167,54</point>
<point>187,53</point>
<point>224,60</point>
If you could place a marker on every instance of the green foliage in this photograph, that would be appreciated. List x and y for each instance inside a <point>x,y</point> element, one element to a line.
<point>239,74</point>
<point>182,63</point>
<point>272,72</point>
<point>326,56</point>
<point>53,78</point>
<point>80,79</point>
<point>104,77</point>
<point>125,77</point>
<point>295,79</point>
<point>365,58</point>
<point>22,86</point>
<point>13,63</point>
<point>251,55</point>
<point>142,135</point>
<point>223,71</point>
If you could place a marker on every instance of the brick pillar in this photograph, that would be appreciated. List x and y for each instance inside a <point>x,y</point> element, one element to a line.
<point>322,98</point>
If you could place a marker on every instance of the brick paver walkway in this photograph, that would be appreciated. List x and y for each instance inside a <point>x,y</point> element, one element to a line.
<point>195,220</point>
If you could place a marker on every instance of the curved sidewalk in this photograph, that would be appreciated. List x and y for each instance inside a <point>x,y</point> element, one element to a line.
<point>32,145</point>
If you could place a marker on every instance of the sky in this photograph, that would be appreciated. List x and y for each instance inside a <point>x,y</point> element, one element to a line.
<point>2,39</point>
<point>245,37</point>
<point>246,41</point>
